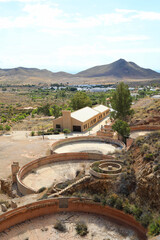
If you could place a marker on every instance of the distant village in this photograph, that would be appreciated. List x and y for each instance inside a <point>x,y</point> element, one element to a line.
<point>135,91</point>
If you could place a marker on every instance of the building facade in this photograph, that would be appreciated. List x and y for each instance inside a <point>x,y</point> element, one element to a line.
<point>82,119</point>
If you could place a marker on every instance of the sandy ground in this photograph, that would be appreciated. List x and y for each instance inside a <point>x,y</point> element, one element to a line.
<point>99,228</point>
<point>20,147</point>
<point>138,134</point>
<point>55,173</point>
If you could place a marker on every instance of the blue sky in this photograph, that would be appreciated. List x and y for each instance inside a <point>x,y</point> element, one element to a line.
<point>73,35</point>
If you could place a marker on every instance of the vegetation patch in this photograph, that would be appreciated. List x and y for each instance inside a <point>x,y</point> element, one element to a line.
<point>81,229</point>
<point>60,226</point>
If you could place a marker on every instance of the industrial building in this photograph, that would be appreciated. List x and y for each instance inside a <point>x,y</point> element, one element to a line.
<point>80,120</point>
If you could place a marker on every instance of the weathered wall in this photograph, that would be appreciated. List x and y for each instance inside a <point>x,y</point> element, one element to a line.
<point>105,134</point>
<point>107,131</point>
<point>104,166</point>
<point>144,128</point>
<point>87,138</point>
<point>51,159</point>
<point>51,206</point>
<point>105,175</point>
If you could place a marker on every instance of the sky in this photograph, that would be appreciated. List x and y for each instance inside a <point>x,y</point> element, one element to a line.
<point>73,35</point>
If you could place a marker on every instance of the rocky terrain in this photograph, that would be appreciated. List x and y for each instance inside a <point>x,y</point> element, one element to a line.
<point>147,112</point>
<point>144,158</point>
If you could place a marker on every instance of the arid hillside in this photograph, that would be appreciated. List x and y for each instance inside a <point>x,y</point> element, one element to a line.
<point>147,112</point>
<point>112,73</point>
<point>119,69</point>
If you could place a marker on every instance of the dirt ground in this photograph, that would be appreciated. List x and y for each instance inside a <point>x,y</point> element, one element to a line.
<point>99,228</point>
<point>142,103</point>
<point>19,146</point>
<point>54,173</point>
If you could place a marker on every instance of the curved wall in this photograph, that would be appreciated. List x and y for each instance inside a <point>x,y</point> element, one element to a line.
<point>51,159</point>
<point>103,166</point>
<point>87,138</point>
<point>51,206</point>
<point>106,175</point>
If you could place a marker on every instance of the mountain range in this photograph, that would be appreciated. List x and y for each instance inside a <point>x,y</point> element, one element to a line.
<point>104,74</point>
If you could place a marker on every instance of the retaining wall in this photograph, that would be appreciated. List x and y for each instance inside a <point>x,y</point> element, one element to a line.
<point>108,132</point>
<point>87,138</point>
<point>105,134</point>
<point>144,128</point>
<point>51,159</point>
<point>51,206</point>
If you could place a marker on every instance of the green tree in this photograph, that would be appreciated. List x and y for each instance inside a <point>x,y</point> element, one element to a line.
<point>80,100</point>
<point>154,227</point>
<point>121,102</point>
<point>122,128</point>
<point>10,111</point>
<point>102,98</point>
<point>44,110</point>
<point>66,131</point>
<point>7,128</point>
<point>62,93</point>
<point>56,110</point>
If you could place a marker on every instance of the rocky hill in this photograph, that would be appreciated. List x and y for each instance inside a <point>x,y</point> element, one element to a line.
<point>23,75</point>
<point>120,70</point>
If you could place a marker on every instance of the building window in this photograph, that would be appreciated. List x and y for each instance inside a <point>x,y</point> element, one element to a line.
<point>58,126</point>
<point>85,126</point>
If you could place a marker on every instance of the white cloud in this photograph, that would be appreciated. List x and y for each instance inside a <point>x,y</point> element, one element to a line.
<point>89,50</point>
<point>126,11</point>
<point>147,15</point>
<point>52,19</point>
<point>125,38</point>
<point>23,1</point>
<point>142,15</point>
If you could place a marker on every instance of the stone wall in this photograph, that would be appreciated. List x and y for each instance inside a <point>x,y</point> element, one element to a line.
<point>103,167</point>
<point>51,206</point>
<point>51,159</point>
<point>144,128</point>
<point>107,131</point>
<point>87,138</point>
<point>108,134</point>
<point>105,175</point>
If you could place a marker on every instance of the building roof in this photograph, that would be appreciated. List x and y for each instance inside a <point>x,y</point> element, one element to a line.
<point>84,114</point>
<point>101,108</point>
